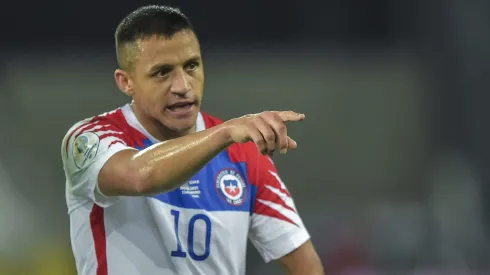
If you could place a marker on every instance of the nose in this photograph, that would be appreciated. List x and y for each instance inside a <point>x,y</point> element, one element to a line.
<point>180,83</point>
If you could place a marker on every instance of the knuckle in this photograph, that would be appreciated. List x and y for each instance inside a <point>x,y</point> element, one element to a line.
<point>260,142</point>
<point>251,118</point>
<point>270,137</point>
<point>281,127</point>
<point>276,116</point>
<point>256,119</point>
<point>250,127</point>
<point>266,114</point>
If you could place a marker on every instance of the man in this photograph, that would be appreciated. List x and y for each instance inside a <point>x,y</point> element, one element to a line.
<point>158,187</point>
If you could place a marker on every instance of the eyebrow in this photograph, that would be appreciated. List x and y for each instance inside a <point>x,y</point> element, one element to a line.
<point>193,59</point>
<point>161,67</point>
<point>165,67</point>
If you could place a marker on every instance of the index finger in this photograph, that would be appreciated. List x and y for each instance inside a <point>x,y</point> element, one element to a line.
<point>290,116</point>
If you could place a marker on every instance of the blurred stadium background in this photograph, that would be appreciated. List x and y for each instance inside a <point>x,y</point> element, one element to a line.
<point>392,172</point>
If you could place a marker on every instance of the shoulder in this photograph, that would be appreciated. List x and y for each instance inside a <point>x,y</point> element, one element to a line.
<point>114,118</point>
<point>94,129</point>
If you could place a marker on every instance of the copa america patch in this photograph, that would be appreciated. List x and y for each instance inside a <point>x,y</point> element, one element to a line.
<point>231,186</point>
<point>85,148</point>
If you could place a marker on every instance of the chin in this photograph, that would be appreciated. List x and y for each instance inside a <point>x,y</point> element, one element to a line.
<point>180,125</point>
<point>185,127</point>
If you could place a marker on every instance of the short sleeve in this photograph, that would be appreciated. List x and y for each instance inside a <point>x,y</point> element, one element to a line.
<point>85,150</point>
<point>276,228</point>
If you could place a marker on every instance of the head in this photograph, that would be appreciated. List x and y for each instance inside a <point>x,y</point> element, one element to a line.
<point>160,68</point>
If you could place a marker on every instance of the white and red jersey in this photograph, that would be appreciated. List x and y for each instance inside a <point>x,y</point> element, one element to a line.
<point>200,228</point>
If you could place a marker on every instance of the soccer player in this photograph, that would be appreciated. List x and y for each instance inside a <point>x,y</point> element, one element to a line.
<point>159,187</point>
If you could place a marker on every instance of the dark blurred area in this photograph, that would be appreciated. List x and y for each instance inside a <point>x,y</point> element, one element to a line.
<point>391,175</point>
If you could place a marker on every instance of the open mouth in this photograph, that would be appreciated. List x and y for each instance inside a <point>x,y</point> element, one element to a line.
<point>181,107</point>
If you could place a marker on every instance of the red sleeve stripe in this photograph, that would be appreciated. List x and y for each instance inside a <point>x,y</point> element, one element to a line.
<point>266,210</point>
<point>89,126</point>
<point>114,142</point>
<point>279,197</point>
<point>274,195</point>
<point>114,135</point>
<point>95,126</point>
<point>103,128</point>
<point>74,131</point>
<point>98,233</point>
<point>283,188</point>
<point>105,132</point>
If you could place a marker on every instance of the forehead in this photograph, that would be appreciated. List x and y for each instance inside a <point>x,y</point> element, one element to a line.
<point>162,50</point>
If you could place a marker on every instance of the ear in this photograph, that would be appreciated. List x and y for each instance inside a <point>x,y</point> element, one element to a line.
<point>124,82</point>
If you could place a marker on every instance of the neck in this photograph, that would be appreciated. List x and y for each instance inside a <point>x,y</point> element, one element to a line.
<point>157,129</point>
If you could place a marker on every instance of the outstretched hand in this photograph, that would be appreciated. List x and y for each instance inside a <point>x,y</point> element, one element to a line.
<point>267,130</point>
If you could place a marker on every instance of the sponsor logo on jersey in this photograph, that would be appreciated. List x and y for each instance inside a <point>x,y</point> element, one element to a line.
<point>231,186</point>
<point>85,148</point>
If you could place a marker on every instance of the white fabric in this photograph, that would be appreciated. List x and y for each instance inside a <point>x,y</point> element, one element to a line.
<point>139,233</point>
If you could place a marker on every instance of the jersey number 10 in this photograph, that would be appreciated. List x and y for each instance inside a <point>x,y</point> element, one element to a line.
<point>190,240</point>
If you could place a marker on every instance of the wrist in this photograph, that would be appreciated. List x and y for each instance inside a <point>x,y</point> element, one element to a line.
<point>224,132</point>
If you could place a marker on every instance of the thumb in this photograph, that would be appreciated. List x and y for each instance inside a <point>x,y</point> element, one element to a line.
<point>291,144</point>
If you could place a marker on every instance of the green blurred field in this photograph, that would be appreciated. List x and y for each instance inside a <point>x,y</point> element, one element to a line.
<point>46,259</point>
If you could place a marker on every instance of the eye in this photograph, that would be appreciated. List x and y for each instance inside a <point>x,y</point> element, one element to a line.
<point>192,66</point>
<point>161,73</point>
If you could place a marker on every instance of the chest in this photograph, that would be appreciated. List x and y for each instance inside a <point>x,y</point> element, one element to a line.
<point>221,185</point>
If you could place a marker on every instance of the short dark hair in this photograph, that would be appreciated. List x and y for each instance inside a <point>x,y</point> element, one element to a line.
<point>147,21</point>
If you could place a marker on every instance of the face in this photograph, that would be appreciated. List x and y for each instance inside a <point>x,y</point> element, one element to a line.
<point>166,82</point>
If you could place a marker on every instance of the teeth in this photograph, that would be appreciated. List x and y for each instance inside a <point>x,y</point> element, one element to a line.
<point>180,105</point>
<point>177,107</point>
